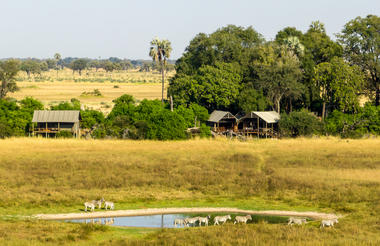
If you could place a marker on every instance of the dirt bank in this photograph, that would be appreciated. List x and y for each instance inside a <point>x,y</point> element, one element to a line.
<point>155,211</point>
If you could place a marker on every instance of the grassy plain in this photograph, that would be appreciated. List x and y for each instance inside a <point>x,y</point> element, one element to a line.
<point>52,89</point>
<point>56,176</point>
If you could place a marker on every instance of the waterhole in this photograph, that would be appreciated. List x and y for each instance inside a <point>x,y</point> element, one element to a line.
<point>167,220</point>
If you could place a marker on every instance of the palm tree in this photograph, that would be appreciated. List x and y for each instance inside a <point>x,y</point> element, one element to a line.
<point>160,52</point>
<point>57,58</point>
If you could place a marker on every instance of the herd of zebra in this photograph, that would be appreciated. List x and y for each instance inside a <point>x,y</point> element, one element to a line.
<point>242,219</point>
<point>205,220</point>
<point>98,203</point>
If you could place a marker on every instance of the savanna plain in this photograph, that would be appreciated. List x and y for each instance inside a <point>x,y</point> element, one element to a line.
<point>306,174</point>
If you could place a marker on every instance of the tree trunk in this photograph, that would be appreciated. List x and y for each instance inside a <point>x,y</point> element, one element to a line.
<point>3,89</point>
<point>278,106</point>
<point>171,103</point>
<point>377,100</point>
<point>163,81</point>
<point>323,110</point>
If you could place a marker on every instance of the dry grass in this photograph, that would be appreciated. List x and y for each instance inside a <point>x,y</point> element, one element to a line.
<point>51,89</point>
<point>331,175</point>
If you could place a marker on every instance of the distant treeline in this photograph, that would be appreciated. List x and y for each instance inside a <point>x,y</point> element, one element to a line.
<point>34,66</point>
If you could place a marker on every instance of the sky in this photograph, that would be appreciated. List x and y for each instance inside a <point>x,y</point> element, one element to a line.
<point>124,28</point>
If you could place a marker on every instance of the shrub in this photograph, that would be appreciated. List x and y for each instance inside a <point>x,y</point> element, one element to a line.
<point>299,123</point>
<point>366,121</point>
<point>64,134</point>
<point>91,118</point>
<point>5,130</point>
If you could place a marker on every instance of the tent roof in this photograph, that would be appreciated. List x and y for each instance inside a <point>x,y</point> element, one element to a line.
<point>66,116</point>
<point>217,115</point>
<point>267,116</point>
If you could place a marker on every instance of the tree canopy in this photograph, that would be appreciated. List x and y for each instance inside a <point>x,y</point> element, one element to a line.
<point>360,38</point>
<point>8,72</point>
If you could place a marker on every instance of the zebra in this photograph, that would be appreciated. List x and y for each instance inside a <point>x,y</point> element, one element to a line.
<point>223,219</point>
<point>98,202</point>
<point>90,205</point>
<point>109,205</point>
<point>180,222</point>
<point>296,221</point>
<point>329,223</point>
<point>204,220</point>
<point>242,219</point>
<point>191,221</point>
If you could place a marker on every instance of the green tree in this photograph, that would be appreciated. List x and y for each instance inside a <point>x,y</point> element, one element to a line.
<point>230,44</point>
<point>319,48</point>
<point>251,99</point>
<point>278,72</point>
<point>31,66</point>
<point>74,104</point>
<point>8,73</point>
<point>79,65</point>
<point>213,87</point>
<point>340,84</point>
<point>109,66</point>
<point>360,38</point>
<point>160,51</point>
<point>57,58</point>
<point>299,123</point>
<point>286,33</point>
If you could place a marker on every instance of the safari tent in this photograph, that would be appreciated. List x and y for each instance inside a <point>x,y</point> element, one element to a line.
<point>49,123</point>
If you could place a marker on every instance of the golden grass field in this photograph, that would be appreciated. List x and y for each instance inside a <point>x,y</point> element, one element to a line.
<point>52,89</point>
<point>317,174</point>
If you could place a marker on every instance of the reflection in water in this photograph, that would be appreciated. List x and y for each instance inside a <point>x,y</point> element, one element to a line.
<point>163,221</point>
<point>168,220</point>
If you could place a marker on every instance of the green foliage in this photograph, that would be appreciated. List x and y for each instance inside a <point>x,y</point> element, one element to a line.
<point>299,123</point>
<point>31,66</point>
<point>5,129</point>
<point>74,104</point>
<point>91,118</point>
<point>213,87</point>
<point>95,93</point>
<point>366,121</point>
<point>279,73</point>
<point>8,72</point>
<point>29,104</point>
<point>287,32</point>
<point>109,66</point>
<point>16,119</point>
<point>230,44</point>
<point>148,120</point>
<point>205,131</point>
<point>64,134</point>
<point>251,99</point>
<point>340,84</point>
<point>160,52</point>
<point>360,38</point>
<point>79,65</point>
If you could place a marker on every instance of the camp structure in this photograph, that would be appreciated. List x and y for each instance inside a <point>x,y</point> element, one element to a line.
<point>222,121</point>
<point>259,123</point>
<point>49,123</point>
<point>255,123</point>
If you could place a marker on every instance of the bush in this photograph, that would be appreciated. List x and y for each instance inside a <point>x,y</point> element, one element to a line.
<point>5,130</point>
<point>64,134</point>
<point>90,118</point>
<point>299,123</point>
<point>366,121</point>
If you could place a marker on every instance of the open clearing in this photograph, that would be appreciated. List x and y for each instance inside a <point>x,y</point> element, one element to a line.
<point>326,175</point>
<point>52,89</point>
